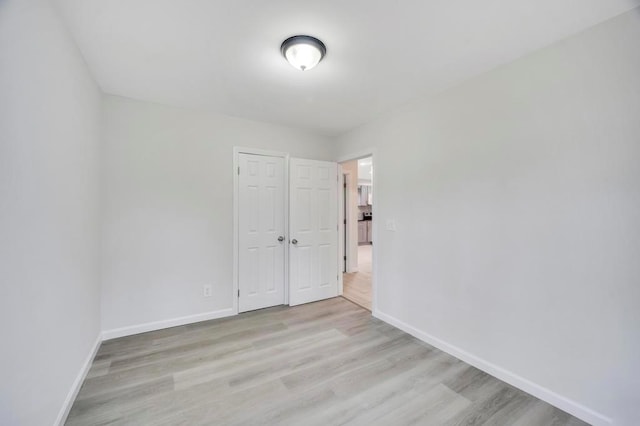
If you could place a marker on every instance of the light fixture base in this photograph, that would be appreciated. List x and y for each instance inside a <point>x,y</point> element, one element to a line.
<point>303,51</point>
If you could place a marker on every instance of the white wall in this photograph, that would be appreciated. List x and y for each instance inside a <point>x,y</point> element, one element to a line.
<point>49,213</point>
<point>169,207</point>
<point>517,200</point>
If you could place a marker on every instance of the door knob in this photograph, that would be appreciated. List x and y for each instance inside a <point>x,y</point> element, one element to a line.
<point>294,241</point>
<point>281,238</point>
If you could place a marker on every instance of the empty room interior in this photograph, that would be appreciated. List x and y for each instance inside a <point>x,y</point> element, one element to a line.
<point>233,212</point>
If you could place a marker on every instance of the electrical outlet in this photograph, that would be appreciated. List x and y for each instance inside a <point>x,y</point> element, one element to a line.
<point>206,290</point>
<point>391,225</point>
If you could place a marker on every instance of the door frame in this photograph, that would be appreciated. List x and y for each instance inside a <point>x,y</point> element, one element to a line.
<point>341,228</point>
<point>345,209</point>
<point>367,152</point>
<point>236,210</point>
<point>351,266</point>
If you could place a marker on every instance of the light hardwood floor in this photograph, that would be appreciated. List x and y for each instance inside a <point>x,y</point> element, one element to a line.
<point>357,285</point>
<point>324,363</point>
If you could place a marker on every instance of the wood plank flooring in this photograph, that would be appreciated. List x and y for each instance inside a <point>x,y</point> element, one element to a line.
<point>357,285</point>
<point>324,363</point>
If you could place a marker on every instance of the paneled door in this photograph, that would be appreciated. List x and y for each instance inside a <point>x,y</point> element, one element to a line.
<point>313,224</point>
<point>261,239</point>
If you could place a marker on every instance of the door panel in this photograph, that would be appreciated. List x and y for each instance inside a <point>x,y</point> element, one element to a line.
<point>260,222</point>
<point>313,221</point>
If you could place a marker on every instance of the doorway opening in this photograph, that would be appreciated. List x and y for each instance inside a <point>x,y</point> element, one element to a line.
<point>358,231</point>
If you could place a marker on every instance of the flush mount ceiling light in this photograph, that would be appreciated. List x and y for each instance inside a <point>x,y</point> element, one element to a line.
<point>303,51</point>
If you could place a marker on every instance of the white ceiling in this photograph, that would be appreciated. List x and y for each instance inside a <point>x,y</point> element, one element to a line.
<point>223,55</point>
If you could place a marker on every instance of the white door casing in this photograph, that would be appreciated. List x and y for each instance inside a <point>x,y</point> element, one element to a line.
<point>313,224</point>
<point>261,222</point>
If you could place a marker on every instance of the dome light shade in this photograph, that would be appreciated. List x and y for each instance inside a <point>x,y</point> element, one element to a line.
<point>303,52</point>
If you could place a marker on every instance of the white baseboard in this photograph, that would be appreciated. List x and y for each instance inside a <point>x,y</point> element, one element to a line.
<point>158,325</point>
<point>580,411</point>
<point>77,383</point>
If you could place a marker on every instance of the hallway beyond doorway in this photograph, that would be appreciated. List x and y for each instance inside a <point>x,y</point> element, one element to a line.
<point>357,285</point>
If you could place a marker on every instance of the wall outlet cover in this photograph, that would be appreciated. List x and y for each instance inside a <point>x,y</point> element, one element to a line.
<point>206,290</point>
<point>391,225</point>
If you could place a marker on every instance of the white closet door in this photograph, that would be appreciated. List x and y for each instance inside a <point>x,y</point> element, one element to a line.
<point>261,222</point>
<point>313,224</point>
